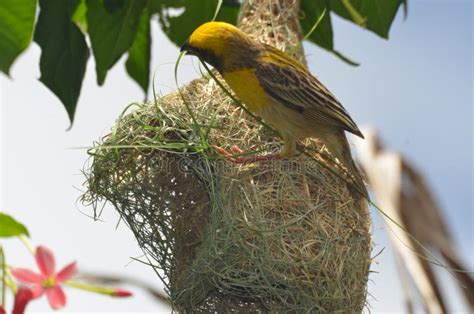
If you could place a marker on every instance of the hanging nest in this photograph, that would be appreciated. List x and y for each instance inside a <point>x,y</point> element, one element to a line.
<point>275,236</point>
<point>286,235</point>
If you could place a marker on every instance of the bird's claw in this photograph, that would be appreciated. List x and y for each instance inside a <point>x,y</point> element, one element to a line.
<point>235,150</point>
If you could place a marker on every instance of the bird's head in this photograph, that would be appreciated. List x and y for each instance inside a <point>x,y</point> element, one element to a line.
<point>220,44</point>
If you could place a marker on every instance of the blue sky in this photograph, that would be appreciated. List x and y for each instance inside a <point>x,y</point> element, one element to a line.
<point>415,88</point>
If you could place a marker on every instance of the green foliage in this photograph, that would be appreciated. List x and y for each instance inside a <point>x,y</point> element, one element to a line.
<point>118,27</point>
<point>64,51</point>
<point>9,227</point>
<point>156,6</point>
<point>111,33</point>
<point>377,15</point>
<point>178,28</point>
<point>113,5</point>
<point>79,16</point>
<point>17,19</point>
<point>228,13</point>
<point>139,54</point>
<point>323,35</point>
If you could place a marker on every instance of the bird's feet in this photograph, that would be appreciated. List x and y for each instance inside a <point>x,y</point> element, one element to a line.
<point>238,156</point>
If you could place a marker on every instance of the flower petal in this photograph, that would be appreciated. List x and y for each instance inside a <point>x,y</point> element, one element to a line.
<point>22,297</point>
<point>2,310</point>
<point>27,276</point>
<point>66,273</point>
<point>45,260</point>
<point>121,293</point>
<point>37,291</point>
<point>56,297</point>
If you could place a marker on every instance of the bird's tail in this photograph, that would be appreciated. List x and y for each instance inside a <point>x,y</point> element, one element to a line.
<point>338,146</point>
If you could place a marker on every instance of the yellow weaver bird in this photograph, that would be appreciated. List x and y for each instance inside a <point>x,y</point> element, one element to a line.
<point>277,88</point>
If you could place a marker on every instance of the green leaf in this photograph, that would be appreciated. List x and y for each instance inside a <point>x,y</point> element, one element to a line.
<point>377,14</point>
<point>79,16</point>
<point>322,35</point>
<point>17,18</point>
<point>178,28</point>
<point>229,13</point>
<point>113,5</point>
<point>356,17</point>
<point>345,59</point>
<point>311,11</point>
<point>9,227</point>
<point>138,62</point>
<point>64,52</point>
<point>405,8</point>
<point>156,6</point>
<point>111,34</point>
<point>235,3</point>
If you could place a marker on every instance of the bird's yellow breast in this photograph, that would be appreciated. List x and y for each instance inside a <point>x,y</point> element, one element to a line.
<point>245,85</point>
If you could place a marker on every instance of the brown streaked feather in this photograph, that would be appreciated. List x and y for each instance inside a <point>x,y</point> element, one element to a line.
<point>298,90</point>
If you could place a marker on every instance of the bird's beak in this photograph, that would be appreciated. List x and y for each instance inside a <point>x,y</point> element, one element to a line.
<point>185,46</point>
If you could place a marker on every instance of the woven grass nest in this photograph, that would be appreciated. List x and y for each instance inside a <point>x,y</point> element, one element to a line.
<point>279,236</point>
<point>276,236</point>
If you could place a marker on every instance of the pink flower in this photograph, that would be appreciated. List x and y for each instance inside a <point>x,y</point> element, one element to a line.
<point>22,297</point>
<point>48,281</point>
<point>2,310</point>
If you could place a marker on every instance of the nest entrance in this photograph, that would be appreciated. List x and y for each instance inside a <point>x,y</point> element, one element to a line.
<point>284,236</point>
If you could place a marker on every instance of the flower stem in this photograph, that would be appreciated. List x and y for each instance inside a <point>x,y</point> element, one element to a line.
<point>11,283</point>
<point>27,243</point>
<point>91,288</point>
<point>3,264</point>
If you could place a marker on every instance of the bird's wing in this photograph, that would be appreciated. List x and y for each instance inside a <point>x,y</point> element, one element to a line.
<point>297,89</point>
